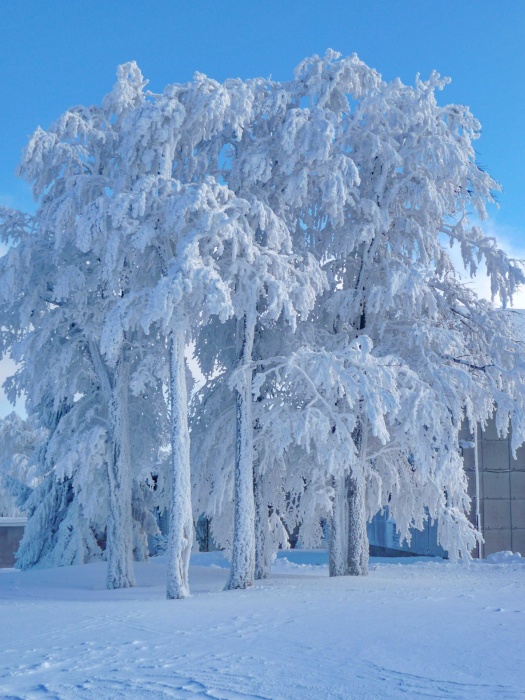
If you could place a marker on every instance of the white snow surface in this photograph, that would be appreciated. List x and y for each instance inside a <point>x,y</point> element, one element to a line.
<point>413,628</point>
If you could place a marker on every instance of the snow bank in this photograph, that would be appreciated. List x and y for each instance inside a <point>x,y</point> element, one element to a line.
<point>505,558</point>
<point>411,629</point>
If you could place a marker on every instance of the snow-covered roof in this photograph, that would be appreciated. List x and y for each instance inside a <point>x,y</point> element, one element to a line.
<point>12,522</point>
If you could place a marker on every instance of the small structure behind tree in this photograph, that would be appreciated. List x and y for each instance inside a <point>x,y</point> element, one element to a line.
<point>11,532</point>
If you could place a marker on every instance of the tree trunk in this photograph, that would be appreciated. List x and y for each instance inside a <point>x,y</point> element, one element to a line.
<point>338,529</point>
<point>180,537</point>
<point>119,539</point>
<point>357,552</point>
<point>263,556</point>
<point>357,535</point>
<point>243,554</point>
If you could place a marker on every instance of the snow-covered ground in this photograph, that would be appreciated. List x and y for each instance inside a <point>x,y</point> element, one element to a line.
<point>415,629</point>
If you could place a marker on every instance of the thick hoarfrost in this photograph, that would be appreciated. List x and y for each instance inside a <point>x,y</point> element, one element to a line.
<point>297,234</point>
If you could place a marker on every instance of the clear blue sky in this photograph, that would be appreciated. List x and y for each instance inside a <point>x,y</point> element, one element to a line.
<point>55,54</point>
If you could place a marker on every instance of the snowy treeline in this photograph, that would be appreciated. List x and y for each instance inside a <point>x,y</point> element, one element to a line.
<point>295,235</point>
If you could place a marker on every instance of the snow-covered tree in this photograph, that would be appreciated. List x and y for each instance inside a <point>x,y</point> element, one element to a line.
<point>392,280</point>
<point>169,245</point>
<point>60,281</point>
<point>60,530</point>
<point>19,439</point>
<point>297,232</point>
<point>286,161</point>
<point>420,186</point>
<point>379,178</point>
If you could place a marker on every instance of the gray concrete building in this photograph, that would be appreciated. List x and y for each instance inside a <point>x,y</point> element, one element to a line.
<point>497,488</point>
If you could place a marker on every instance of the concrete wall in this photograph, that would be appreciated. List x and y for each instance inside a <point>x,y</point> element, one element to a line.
<point>501,491</point>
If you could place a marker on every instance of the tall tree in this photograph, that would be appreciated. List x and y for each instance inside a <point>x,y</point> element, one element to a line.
<point>297,231</point>
<point>378,178</point>
<point>204,251</point>
<point>418,181</point>
<point>284,160</point>
<point>62,281</point>
<point>19,439</point>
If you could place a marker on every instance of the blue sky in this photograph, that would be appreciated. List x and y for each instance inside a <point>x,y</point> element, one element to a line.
<point>55,54</point>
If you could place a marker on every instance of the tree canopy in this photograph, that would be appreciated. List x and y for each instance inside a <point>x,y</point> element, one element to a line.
<point>296,234</point>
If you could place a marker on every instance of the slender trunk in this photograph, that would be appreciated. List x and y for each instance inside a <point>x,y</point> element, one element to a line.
<point>243,554</point>
<point>338,528</point>
<point>263,556</point>
<point>365,551</point>
<point>357,544</point>
<point>263,559</point>
<point>119,539</point>
<point>357,535</point>
<point>180,536</point>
